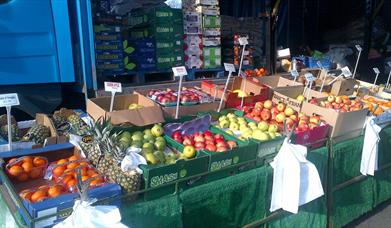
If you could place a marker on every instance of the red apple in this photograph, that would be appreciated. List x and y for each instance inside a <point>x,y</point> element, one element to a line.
<point>293,117</point>
<point>208,133</point>
<point>188,141</point>
<point>209,138</point>
<point>289,111</point>
<point>268,104</point>
<point>209,142</point>
<point>221,144</point>
<point>231,144</point>
<point>315,120</point>
<point>281,107</point>
<point>211,147</point>
<point>265,115</point>
<point>221,149</point>
<point>303,127</point>
<point>199,138</point>
<point>274,110</point>
<point>199,145</point>
<point>330,98</point>
<point>289,122</point>
<point>259,105</point>
<point>338,100</point>
<point>218,136</point>
<point>314,101</point>
<point>312,126</point>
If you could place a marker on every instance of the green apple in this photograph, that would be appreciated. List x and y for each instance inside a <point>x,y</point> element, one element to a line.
<point>230,115</point>
<point>252,124</point>
<point>160,156</point>
<point>233,120</point>
<point>126,134</point>
<point>242,121</point>
<point>263,126</point>
<point>273,128</point>
<point>278,134</point>
<point>151,158</point>
<point>160,145</point>
<point>229,132</point>
<point>160,138</point>
<point>137,144</point>
<point>138,133</point>
<point>243,128</point>
<point>149,137</point>
<point>137,137</point>
<point>125,141</point>
<point>224,124</point>
<point>157,130</point>
<point>221,118</point>
<point>147,132</point>
<point>189,152</point>
<point>234,126</point>
<point>247,134</point>
<point>260,135</point>
<point>148,146</point>
<point>272,135</point>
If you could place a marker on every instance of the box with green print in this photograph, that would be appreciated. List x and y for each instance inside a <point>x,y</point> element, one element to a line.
<point>167,169</point>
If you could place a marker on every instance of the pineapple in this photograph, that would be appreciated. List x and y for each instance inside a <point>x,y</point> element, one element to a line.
<point>37,133</point>
<point>58,120</point>
<point>107,148</point>
<point>75,120</point>
<point>3,120</point>
<point>14,130</point>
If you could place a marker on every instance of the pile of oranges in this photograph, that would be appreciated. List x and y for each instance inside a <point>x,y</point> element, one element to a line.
<point>376,106</point>
<point>42,193</point>
<point>65,171</point>
<point>27,167</point>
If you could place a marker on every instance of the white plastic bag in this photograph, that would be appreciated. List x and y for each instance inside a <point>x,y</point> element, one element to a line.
<point>84,215</point>
<point>132,160</point>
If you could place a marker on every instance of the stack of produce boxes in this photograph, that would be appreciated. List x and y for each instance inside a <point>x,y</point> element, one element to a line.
<point>193,35</point>
<point>164,27</point>
<point>211,33</point>
<point>108,49</point>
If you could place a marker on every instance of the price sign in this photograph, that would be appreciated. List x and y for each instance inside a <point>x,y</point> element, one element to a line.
<point>309,77</point>
<point>243,41</point>
<point>229,67</point>
<point>346,72</point>
<point>319,64</point>
<point>284,53</point>
<point>294,73</point>
<point>376,70</point>
<point>359,48</point>
<point>114,87</point>
<point>9,99</point>
<point>389,64</point>
<point>179,71</point>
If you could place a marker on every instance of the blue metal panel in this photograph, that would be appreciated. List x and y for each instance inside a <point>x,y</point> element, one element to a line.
<point>33,33</point>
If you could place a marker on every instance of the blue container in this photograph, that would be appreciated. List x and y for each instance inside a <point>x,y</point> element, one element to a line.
<point>325,63</point>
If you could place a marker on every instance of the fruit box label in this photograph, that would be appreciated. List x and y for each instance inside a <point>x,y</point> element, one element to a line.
<point>163,179</point>
<point>220,164</point>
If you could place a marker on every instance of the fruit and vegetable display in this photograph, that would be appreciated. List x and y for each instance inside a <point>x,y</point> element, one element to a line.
<point>189,96</point>
<point>339,103</point>
<point>37,133</point>
<point>26,168</point>
<point>35,195</point>
<point>245,129</point>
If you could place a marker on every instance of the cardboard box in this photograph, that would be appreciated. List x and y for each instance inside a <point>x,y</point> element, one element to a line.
<point>193,61</point>
<point>275,81</point>
<point>211,41</point>
<point>208,10</point>
<point>169,112</point>
<point>256,91</point>
<point>149,114</point>
<point>288,95</point>
<point>211,32</point>
<point>55,205</point>
<point>343,124</point>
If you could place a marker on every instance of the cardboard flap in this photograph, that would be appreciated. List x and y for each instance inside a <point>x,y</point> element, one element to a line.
<point>138,117</point>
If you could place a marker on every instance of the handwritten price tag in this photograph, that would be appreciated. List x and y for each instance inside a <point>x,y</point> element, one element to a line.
<point>179,71</point>
<point>309,77</point>
<point>9,99</point>
<point>358,47</point>
<point>284,53</point>
<point>346,72</point>
<point>294,73</point>
<point>243,41</point>
<point>229,67</point>
<point>376,70</point>
<point>114,87</point>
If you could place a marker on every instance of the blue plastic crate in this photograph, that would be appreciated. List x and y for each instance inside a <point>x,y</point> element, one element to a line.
<point>325,62</point>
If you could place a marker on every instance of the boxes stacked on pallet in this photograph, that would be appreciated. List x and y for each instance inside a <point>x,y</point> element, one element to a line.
<point>193,38</point>
<point>164,26</point>
<point>108,49</point>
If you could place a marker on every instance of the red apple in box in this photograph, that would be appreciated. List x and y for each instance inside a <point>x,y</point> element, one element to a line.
<point>208,133</point>
<point>268,104</point>
<point>219,141</point>
<point>221,144</point>
<point>177,136</point>
<point>209,142</point>
<point>221,149</point>
<point>274,110</point>
<point>293,117</point>
<point>281,107</point>
<point>314,101</point>
<point>330,98</point>
<point>188,141</point>
<point>303,127</point>
<point>265,115</point>
<point>232,144</point>
<point>218,136</point>
<point>289,123</point>
<point>199,145</point>
<point>289,111</point>
<point>257,118</point>
<point>211,147</point>
<point>315,120</point>
<point>259,105</point>
<point>257,111</point>
<point>199,138</point>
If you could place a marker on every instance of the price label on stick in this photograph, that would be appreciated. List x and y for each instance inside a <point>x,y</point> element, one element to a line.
<point>376,70</point>
<point>243,41</point>
<point>359,48</point>
<point>319,64</point>
<point>309,77</point>
<point>284,53</point>
<point>114,87</point>
<point>389,64</point>
<point>294,73</point>
<point>229,67</point>
<point>179,71</point>
<point>9,99</point>
<point>346,72</point>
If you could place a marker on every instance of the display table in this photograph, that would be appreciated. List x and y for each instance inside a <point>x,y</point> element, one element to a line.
<point>244,198</point>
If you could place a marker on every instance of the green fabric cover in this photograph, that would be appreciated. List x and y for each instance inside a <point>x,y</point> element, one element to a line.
<point>346,161</point>
<point>382,191</point>
<point>162,212</point>
<point>385,147</point>
<point>313,214</point>
<point>229,202</point>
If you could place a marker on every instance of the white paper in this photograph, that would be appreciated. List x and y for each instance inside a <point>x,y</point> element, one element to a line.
<point>296,181</point>
<point>358,47</point>
<point>243,41</point>
<point>346,72</point>
<point>229,67</point>
<point>114,87</point>
<point>376,70</point>
<point>369,156</point>
<point>9,99</point>
<point>179,71</point>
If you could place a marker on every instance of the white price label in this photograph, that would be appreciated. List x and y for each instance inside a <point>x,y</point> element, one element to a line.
<point>358,47</point>
<point>319,64</point>
<point>309,77</point>
<point>179,71</point>
<point>9,99</point>
<point>229,67</point>
<point>243,41</point>
<point>389,64</point>
<point>284,53</point>
<point>115,87</point>
<point>294,73</point>
<point>376,70</point>
<point>346,72</point>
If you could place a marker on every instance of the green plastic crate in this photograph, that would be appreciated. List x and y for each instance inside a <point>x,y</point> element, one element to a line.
<point>165,61</point>
<point>158,31</point>
<point>169,46</point>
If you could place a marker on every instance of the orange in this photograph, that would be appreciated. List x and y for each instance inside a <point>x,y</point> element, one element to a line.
<point>35,173</point>
<point>84,178</point>
<point>83,163</point>
<point>37,195</point>
<point>378,111</point>
<point>95,182</point>
<point>26,195</point>
<point>55,191</point>
<point>15,170</point>
<point>40,199</point>
<point>28,159</point>
<point>72,165</point>
<point>73,158</point>
<point>22,177</point>
<point>67,178</point>
<point>61,161</point>
<point>58,171</point>
<point>71,183</point>
<point>90,172</point>
<point>27,166</point>
<point>39,161</point>
<point>84,171</point>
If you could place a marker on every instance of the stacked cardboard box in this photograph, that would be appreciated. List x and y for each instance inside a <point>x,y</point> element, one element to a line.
<point>108,49</point>
<point>164,26</point>
<point>192,38</point>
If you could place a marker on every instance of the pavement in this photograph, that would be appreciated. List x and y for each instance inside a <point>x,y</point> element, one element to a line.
<point>380,217</point>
